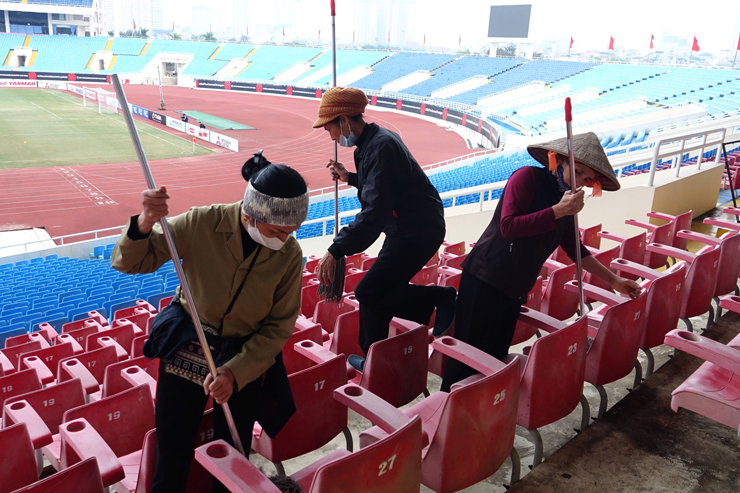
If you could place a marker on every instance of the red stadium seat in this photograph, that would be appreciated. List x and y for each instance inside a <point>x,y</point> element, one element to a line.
<point>712,390</point>
<point>309,299</point>
<point>354,276</point>
<point>556,301</point>
<point>12,354</point>
<point>680,222</point>
<point>18,383</point>
<point>604,258</point>
<point>17,459</point>
<point>396,368</point>
<point>305,329</point>
<point>612,353</point>
<point>472,428</point>
<point>311,263</point>
<point>48,331</point>
<point>120,337</point>
<point>664,292</point>
<point>368,262</point>
<point>164,303</point>
<point>453,248</point>
<point>45,361</point>
<point>657,234</point>
<point>81,334</point>
<point>26,338</point>
<point>525,331</point>
<point>729,261</point>
<point>138,315</point>
<point>426,276</point>
<point>389,465</point>
<point>94,430</point>
<point>631,249</point>
<point>590,236</point>
<point>701,280</point>
<point>113,381</point>
<point>89,368</point>
<point>454,261</point>
<point>355,261</point>
<point>447,276</point>
<point>326,313</point>
<point>137,346</point>
<point>345,339</point>
<point>551,383</point>
<point>318,417</point>
<point>132,311</point>
<point>43,412</point>
<point>83,477</point>
<point>95,319</point>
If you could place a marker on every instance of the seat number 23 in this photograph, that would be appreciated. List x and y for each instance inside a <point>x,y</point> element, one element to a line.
<point>386,465</point>
<point>572,349</point>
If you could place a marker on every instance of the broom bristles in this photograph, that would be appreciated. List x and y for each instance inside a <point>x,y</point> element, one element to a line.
<point>334,291</point>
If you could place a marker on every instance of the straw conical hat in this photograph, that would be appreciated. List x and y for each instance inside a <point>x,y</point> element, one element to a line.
<point>587,150</point>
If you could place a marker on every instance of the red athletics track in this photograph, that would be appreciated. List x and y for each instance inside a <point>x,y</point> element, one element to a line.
<point>63,200</point>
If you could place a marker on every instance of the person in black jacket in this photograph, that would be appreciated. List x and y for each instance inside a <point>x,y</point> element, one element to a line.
<point>397,199</point>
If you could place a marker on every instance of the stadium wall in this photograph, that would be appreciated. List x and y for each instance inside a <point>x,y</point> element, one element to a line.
<point>470,122</point>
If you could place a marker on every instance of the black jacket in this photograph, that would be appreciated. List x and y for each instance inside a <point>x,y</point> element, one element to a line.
<point>512,264</point>
<point>396,195</point>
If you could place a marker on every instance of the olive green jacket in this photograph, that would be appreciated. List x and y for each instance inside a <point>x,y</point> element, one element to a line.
<point>208,240</point>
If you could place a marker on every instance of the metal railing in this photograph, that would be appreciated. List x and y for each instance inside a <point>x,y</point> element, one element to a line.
<point>676,152</point>
<point>60,239</point>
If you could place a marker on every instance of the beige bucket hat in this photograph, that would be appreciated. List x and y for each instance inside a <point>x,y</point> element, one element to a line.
<point>587,150</point>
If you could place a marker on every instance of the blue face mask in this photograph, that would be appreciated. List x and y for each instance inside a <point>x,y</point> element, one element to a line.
<point>561,184</point>
<point>346,141</point>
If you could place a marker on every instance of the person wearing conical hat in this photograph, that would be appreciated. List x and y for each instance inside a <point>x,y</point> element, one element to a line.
<point>397,199</point>
<point>533,217</point>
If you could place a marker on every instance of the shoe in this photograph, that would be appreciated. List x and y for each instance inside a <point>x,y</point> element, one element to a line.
<point>445,312</point>
<point>357,362</point>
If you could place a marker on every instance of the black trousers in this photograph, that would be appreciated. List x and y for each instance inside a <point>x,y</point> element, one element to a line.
<point>486,319</point>
<point>178,413</point>
<point>384,292</point>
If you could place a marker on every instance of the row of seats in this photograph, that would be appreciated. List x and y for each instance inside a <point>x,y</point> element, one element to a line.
<point>599,348</point>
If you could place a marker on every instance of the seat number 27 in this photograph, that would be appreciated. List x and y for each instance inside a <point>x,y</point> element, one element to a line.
<point>386,465</point>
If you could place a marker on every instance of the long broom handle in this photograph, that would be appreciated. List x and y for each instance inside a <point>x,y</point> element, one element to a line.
<point>572,161</point>
<point>334,84</point>
<point>185,287</point>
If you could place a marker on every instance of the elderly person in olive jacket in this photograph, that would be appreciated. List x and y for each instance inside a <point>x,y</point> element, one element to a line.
<point>240,256</point>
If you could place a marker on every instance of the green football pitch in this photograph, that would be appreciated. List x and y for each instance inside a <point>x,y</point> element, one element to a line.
<point>53,128</point>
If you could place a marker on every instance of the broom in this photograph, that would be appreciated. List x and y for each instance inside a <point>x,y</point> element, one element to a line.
<point>335,289</point>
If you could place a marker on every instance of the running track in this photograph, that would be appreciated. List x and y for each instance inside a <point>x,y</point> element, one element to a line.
<point>88,197</point>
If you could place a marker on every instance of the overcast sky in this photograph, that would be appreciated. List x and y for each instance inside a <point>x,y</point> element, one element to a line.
<point>716,24</point>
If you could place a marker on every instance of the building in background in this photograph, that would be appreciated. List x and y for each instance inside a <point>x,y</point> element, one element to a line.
<point>85,18</point>
<point>202,20</point>
<point>384,22</point>
<point>122,15</point>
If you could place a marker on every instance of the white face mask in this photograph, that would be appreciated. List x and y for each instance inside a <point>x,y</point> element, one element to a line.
<point>346,141</point>
<point>271,243</point>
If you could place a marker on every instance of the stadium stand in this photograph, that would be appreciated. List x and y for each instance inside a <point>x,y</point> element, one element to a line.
<point>346,61</point>
<point>60,53</point>
<point>268,61</point>
<point>461,69</point>
<point>399,65</point>
<point>547,71</point>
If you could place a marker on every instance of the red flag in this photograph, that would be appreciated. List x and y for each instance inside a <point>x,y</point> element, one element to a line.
<point>319,34</point>
<point>134,25</point>
<point>353,36</point>
<point>389,36</point>
<point>571,42</point>
<point>283,31</point>
<point>425,39</point>
<point>611,42</point>
<point>652,38</point>
<point>209,28</point>
<point>333,9</point>
<point>695,46</point>
<point>459,40</point>
<point>738,43</point>
<point>173,25</point>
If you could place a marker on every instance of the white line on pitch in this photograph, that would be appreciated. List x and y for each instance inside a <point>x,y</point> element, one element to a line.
<point>44,109</point>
